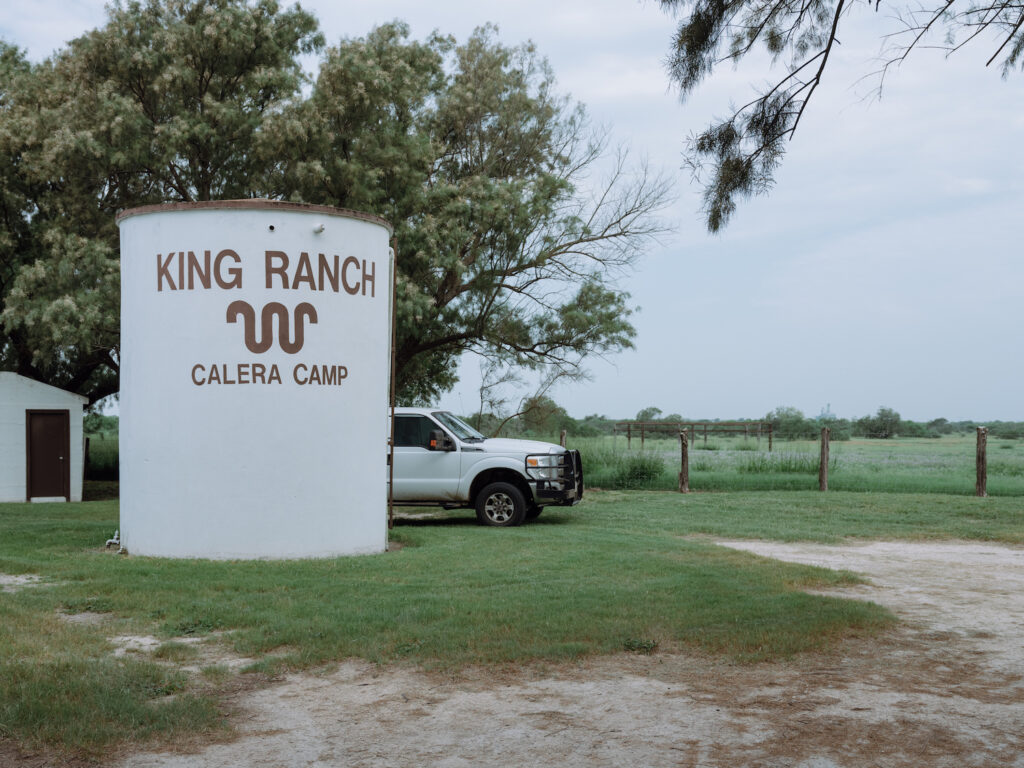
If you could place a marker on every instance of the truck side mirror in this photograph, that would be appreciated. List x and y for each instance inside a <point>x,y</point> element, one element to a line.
<point>439,441</point>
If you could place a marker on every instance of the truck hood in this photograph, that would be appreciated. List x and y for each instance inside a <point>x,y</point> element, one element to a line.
<point>507,445</point>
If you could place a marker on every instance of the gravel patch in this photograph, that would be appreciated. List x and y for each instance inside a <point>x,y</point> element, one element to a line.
<point>943,690</point>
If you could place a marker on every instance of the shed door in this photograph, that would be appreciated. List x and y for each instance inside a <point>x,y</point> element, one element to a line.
<point>49,454</point>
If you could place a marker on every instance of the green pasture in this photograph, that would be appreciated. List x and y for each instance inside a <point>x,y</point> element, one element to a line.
<point>909,465</point>
<point>913,465</point>
<point>622,572</point>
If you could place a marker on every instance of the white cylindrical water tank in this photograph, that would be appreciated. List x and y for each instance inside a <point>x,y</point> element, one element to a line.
<point>255,345</point>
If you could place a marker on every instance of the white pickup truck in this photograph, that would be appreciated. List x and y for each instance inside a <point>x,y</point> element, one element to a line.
<point>439,459</point>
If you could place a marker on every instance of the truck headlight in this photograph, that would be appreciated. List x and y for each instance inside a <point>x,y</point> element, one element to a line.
<point>544,466</point>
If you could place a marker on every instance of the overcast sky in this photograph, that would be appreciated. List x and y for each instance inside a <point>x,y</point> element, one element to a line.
<point>883,270</point>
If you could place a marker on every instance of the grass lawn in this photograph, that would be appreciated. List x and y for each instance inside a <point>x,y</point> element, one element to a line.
<point>619,572</point>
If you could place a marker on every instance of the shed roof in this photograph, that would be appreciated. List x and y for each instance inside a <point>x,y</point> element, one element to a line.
<point>9,379</point>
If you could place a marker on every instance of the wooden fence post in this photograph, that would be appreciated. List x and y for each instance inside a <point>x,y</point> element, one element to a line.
<point>641,435</point>
<point>629,437</point>
<point>684,464</point>
<point>561,440</point>
<point>769,438</point>
<point>981,484</point>
<point>823,465</point>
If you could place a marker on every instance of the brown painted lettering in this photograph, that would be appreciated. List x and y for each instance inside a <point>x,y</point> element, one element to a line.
<point>195,270</point>
<point>227,376</point>
<point>370,277</point>
<point>259,371</point>
<point>275,375</point>
<point>295,373</point>
<point>314,376</point>
<point>342,373</point>
<point>162,273</point>
<point>280,269</point>
<point>304,273</point>
<point>197,382</point>
<point>234,272</point>
<point>330,373</point>
<point>214,376</point>
<point>326,271</point>
<point>243,373</point>
<point>181,269</point>
<point>352,290</point>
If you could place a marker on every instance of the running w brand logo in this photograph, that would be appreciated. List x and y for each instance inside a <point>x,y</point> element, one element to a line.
<point>291,345</point>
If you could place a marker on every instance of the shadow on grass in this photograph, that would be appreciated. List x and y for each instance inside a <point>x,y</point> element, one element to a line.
<point>100,490</point>
<point>433,522</point>
<point>467,518</point>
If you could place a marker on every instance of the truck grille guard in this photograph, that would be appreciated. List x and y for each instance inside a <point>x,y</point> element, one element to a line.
<point>576,472</point>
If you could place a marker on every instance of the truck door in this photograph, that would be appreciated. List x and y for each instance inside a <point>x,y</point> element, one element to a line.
<point>420,473</point>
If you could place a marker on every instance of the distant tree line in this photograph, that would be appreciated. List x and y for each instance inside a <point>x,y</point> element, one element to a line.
<point>543,417</point>
<point>790,424</point>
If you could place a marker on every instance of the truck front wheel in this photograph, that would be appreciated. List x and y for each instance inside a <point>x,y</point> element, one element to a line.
<point>500,504</point>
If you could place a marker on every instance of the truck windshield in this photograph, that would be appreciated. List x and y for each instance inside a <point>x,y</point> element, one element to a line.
<point>461,429</point>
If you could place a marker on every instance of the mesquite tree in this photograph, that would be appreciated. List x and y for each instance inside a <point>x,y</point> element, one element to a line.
<point>508,245</point>
<point>163,103</point>
<point>480,164</point>
<point>736,157</point>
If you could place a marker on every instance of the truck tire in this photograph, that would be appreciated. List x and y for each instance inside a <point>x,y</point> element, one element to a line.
<point>501,505</point>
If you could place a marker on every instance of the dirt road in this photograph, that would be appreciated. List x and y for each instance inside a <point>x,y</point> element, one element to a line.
<point>945,689</point>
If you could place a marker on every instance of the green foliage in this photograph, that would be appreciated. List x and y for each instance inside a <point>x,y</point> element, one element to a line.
<point>543,416</point>
<point>467,149</point>
<point>593,426</point>
<point>736,156</point>
<point>97,423</point>
<point>648,414</point>
<point>1007,430</point>
<point>476,159</point>
<point>163,103</point>
<point>884,425</point>
<point>790,424</point>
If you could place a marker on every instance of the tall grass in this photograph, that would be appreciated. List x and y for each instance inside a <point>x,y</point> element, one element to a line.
<point>604,468</point>
<point>913,465</point>
<point>789,463</point>
<point>103,463</point>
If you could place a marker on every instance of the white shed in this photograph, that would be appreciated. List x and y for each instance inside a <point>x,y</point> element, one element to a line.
<point>41,445</point>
